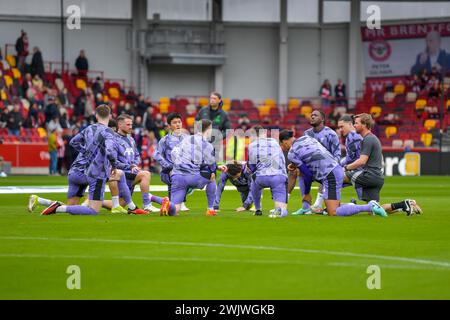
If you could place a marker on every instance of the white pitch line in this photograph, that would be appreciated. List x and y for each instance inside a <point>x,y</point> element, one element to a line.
<point>444,264</point>
<point>63,189</point>
<point>208,260</point>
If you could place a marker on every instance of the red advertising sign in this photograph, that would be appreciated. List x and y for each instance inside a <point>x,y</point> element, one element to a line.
<point>25,154</point>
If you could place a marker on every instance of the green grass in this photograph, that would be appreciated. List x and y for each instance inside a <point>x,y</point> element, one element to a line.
<point>231,256</point>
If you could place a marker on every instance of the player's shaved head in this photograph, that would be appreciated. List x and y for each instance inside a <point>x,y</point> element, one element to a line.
<point>346,118</point>
<point>125,124</point>
<point>317,118</point>
<point>103,111</point>
<point>124,117</point>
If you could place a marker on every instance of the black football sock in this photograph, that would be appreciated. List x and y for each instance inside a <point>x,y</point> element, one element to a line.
<point>399,205</point>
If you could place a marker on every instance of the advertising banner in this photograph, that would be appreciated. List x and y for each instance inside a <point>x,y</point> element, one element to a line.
<point>396,51</point>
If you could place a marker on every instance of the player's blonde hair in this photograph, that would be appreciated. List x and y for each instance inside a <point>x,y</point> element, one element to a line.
<point>366,119</point>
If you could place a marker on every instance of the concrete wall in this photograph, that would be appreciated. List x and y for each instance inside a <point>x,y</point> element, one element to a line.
<point>250,70</point>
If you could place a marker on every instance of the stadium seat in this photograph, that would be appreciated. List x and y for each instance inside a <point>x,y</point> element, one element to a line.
<point>390,131</point>
<point>164,100</point>
<point>190,121</point>
<point>270,102</point>
<point>114,93</point>
<point>80,84</point>
<point>3,95</point>
<point>389,96</point>
<point>264,110</point>
<point>399,88</point>
<point>293,104</point>
<point>430,124</point>
<point>164,108</point>
<point>408,143</point>
<point>42,132</point>
<point>375,111</point>
<point>306,111</point>
<point>16,73</point>
<point>203,102</point>
<point>8,80</point>
<point>426,139</point>
<point>11,60</point>
<point>420,104</point>
<point>411,96</point>
<point>397,143</point>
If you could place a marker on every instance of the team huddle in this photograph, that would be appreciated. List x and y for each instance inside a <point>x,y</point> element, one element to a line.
<point>108,156</point>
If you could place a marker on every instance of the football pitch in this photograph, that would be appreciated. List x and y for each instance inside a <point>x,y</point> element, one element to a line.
<point>230,256</point>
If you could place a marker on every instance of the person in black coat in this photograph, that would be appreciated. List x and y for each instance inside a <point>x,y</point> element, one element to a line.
<point>82,64</point>
<point>37,63</point>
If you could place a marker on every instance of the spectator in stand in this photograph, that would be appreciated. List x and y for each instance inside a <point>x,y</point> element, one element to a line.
<point>433,87</point>
<point>141,106</point>
<point>325,93</point>
<point>216,114</point>
<point>53,151</point>
<point>27,85</point>
<point>340,94</point>
<point>4,114</point>
<point>54,124</point>
<point>69,152</point>
<point>244,123</point>
<point>97,86</point>
<point>80,104</point>
<point>149,146</point>
<point>415,84</point>
<point>160,125</point>
<point>22,50</point>
<point>14,121</point>
<point>334,118</point>
<point>64,98</point>
<point>82,64</point>
<point>33,116</point>
<point>37,63</point>
<point>61,152</point>
<point>121,108</point>
<point>423,79</point>
<point>149,123</point>
<point>51,110</point>
<point>63,120</point>
<point>89,107</point>
<point>38,84</point>
<point>128,109</point>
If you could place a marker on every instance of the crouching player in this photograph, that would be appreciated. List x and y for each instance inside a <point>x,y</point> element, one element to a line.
<point>241,177</point>
<point>128,160</point>
<point>310,156</point>
<point>266,161</point>
<point>164,150</point>
<point>97,141</point>
<point>194,166</point>
<point>366,171</point>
